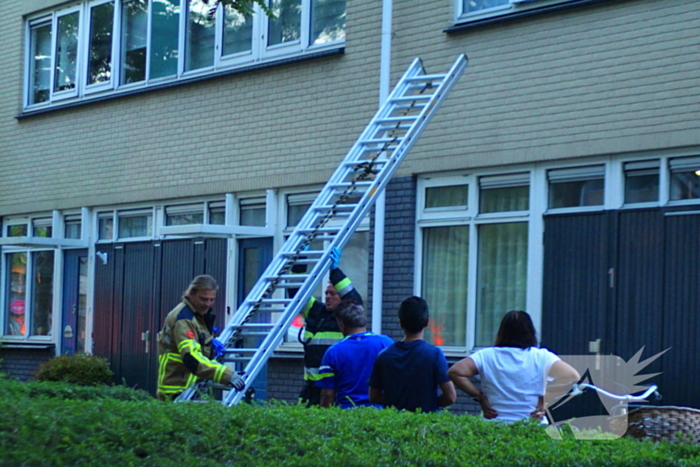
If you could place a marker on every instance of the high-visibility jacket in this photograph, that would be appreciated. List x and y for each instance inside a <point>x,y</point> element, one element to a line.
<point>185,351</point>
<point>321,328</point>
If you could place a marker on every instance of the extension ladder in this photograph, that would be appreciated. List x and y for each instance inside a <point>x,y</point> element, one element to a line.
<point>330,221</point>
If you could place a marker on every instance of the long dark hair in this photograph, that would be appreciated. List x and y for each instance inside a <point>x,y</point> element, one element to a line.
<point>516,330</point>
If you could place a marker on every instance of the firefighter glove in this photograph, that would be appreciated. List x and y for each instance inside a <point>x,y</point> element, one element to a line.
<point>335,258</point>
<point>236,382</point>
<point>218,348</point>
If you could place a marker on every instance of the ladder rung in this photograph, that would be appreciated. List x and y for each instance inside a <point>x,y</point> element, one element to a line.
<point>337,207</point>
<point>394,127</point>
<point>306,253</point>
<point>396,140</point>
<point>270,301</point>
<point>254,334</point>
<point>320,230</point>
<point>401,119</point>
<point>428,78</point>
<point>234,350</point>
<point>365,161</point>
<point>290,277</point>
<point>412,98</point>
<point>349,184</point>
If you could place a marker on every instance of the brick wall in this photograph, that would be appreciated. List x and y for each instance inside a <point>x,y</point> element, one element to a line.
<point>285,378</point>
<point>399,248</point>
<point>23,363</point>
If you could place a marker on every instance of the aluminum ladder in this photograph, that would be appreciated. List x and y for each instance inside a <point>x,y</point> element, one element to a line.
<point>330,221</point>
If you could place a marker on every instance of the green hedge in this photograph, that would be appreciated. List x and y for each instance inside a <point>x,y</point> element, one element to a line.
<point>39,430</point>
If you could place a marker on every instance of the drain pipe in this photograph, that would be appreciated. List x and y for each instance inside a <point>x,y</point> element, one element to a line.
<point>380,204</point>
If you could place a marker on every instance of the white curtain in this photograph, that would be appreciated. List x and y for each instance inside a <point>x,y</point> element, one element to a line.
<point>502,276</point>
<point>444,287</point>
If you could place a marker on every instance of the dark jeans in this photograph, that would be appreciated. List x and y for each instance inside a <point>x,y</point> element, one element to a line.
<point>310,394</point>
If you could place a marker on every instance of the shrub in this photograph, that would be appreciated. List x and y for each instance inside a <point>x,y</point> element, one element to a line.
<point>81,369</point>
<point>49,432</point>
<point>12,389</point>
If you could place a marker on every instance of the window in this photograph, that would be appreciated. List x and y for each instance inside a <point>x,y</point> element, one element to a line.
<point>473,261</point>
<point>217,212</point>
<point>581,186</point>
<point>99,63</point>
<point>105,226</point>
<point>28,293</point>
<point>297,205</point>
<point>135,224</point>
<point>445,272</point>
<point>184,214</point>
<point>104,45</point>
<point>73,226</point>
<point>42,228</point>
<point>446,196</point>
<point>504,193</point>
<point>40,63</point>
<point>120,225</point>
<point>253,212</point>
<point>685,178</point>
<point>476,9</point>
<point>502,276</point>
<point>65,73</point>
<point>641,181</point>
<point>134,32</point>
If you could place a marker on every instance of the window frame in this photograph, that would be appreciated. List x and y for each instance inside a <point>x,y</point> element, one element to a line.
<point>474,219</point>
<point>51,337</point>
<point>510,8</point>
<point>259,53</point>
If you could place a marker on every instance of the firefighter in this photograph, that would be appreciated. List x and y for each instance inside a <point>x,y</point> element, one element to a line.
<point>185,344</point>
<point>321,328</point>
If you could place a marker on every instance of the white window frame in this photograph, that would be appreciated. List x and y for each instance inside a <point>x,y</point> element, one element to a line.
<point>107,85</point>
<point>259,53</point>
<point>60,95</point>
<point>690,161</point>
<point>470,216</point>
<point>509,8</point>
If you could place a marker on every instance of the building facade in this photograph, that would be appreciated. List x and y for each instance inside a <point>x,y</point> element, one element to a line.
<point>147,141</point>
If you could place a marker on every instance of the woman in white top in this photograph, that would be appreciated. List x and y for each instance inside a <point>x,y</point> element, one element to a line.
<point>513,373</point>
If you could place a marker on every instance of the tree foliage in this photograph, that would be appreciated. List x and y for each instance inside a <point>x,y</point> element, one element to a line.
<point>244,7</point>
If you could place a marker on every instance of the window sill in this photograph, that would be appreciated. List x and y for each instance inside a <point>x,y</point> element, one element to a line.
<point>510,15</point>
<point>118,94</point>
<point>26,345</point>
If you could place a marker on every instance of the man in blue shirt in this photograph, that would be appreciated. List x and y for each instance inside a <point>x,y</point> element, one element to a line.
<point>408,374</point>
<point>346,366</point>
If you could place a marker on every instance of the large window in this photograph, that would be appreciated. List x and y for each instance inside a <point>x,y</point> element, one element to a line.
<point>476,9</point>
<point>28,293</point>
<point>105,45</point>
<point>474,257</point>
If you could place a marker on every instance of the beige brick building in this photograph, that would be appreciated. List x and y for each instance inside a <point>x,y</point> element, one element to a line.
<point>561,176</point>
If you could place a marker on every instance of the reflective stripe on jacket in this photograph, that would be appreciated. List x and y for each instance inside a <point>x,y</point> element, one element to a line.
<point>185,350</point>
<point>321,328</point>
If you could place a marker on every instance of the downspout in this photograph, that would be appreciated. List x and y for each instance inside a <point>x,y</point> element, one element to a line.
<point>380,204</point>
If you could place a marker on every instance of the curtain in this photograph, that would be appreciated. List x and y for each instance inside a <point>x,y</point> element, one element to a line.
<point>501,276</point>
<point>444,287</point>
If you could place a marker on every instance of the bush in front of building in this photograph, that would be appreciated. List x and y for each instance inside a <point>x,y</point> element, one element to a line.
<point>81,369</point>
<point>51,431</point>
<point>13,389</point>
